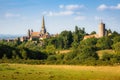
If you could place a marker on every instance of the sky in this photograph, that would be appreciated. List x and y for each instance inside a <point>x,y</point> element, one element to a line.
<point>17,16</point>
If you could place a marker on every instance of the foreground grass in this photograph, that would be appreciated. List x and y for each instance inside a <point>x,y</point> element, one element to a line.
<point>58,72</point>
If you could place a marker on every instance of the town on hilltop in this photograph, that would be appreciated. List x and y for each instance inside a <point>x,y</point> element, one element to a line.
<point>43,34</point>
<point>68,47</point>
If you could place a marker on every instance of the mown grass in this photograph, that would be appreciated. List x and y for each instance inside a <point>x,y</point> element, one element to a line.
<point>58,72</point>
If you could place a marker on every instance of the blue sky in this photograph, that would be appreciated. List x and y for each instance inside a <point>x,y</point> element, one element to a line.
<point>17,16</point>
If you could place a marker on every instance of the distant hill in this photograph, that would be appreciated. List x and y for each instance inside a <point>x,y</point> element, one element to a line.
<point>9,36</point>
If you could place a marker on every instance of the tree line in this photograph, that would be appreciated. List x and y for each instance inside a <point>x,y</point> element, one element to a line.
<point>81,51</point>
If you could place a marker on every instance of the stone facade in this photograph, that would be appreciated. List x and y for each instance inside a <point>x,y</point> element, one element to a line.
<point>102,32</point>
<point>32,35</point>
<point>101,29</point>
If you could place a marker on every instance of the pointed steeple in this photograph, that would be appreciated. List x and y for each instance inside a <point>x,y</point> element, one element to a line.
<point>43,22</point>
<point>43,30</point>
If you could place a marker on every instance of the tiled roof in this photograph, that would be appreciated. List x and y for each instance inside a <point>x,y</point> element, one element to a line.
<point>35,34</point>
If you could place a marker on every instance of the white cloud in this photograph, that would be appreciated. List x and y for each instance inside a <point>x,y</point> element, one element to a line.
<point>115,7</point>
<point>11,15</point>
<point>71,7</point>
<point>61,6</point>
<point>66,10</point>
<point>80,18</point>
<point>118,6</point>
<point>104,7</point>
<point>61,13</point>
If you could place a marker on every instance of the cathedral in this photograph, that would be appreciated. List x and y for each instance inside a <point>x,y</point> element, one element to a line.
<point>43,34</point>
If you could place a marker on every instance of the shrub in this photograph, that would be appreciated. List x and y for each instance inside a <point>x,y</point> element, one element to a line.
<point>70,56</point>
<point>116,47</point>
<point>106,57</point>
<point>104,43</point>
<point>52,58</point>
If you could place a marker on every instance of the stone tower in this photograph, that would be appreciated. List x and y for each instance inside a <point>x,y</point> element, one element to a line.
<point>101,29</point>
<point>43,29</point>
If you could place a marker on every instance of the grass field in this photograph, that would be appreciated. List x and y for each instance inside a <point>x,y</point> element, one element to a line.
<point>58,72</point>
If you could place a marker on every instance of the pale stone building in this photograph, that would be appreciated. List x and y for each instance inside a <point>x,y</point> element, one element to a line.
<point>102,32</point>
<point>32,35</point>
<point>101,29</point>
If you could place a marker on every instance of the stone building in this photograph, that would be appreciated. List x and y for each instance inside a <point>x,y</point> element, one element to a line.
<point>101,29</point>
<point>32,35</point>
<point>102,32</point>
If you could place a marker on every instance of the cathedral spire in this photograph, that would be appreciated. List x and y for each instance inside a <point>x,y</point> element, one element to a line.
<point>43,22</point>
<point>43,30</point>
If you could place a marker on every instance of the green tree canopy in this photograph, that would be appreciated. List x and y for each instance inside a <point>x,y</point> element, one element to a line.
<point>50,49</point>
<point>116,39</point>
<point>116,47</point>
<point>67,38</point>
<point>104,43</point>
<point>93,32</point>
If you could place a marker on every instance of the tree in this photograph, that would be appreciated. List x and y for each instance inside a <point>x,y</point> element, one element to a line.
<point>4,57</point>
<point>52,58</point>
<point>116,47</point>
<point>18,41</point>
<point>104,43</point>
<point>14,54</point>
<point>114,58</point>
<point>53,41</point>
<point>109,31</point>
<point>17,57</point>
<point>67,38</point>
<point>24,54</point>
<point>86,49</point>
<point>60,43</point>
<point>78,36</point>
<point>90,41</point>
<point>50,49</point>
<point>76,30</point>
<point>89,51</point>
<point>114,34</point>
<point>116,39</point>
<point>106,57</point>
<point>86,52</point>
<point>70,56</point>
<point>93,32</point>
<point>75,45</point>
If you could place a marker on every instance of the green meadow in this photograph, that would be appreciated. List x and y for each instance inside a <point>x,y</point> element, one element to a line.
<point>58,72</point>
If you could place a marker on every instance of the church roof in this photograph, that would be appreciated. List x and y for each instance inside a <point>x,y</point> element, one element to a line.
<point>35,34</point>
